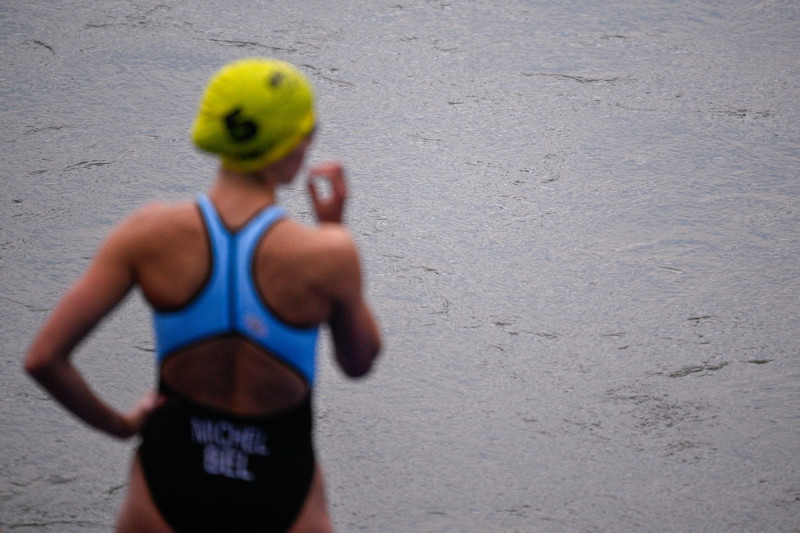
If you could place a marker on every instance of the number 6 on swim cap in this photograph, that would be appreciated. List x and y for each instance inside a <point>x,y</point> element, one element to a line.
<point>254,112</point>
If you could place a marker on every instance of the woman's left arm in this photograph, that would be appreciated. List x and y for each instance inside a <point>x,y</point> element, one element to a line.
<point>108,279</point>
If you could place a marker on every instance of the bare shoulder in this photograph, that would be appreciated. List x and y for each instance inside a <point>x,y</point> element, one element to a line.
<point>160,214</point>
<point>149,232</point>
<point>157,220</point>
<point>328,241</point>
<point>335,238</point>
<point>326,256</point>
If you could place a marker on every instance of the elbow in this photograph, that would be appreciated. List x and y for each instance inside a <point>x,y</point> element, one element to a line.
<point>32,366</point>
<point>37,365</point>
<point>357,371</point>
<point>358,366</point>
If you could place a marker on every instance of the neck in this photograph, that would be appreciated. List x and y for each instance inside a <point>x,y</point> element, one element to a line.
<point>238,196</point>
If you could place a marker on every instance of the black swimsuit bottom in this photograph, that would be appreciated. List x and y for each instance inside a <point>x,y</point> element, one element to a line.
<point>208,470</point>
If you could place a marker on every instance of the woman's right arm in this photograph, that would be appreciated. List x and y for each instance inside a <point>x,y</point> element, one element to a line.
<point>356,337</point>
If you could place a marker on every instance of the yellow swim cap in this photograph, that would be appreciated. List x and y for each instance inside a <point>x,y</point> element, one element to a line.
<point>254,112</point>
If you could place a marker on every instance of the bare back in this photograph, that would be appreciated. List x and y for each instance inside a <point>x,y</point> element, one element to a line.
<point>230,372</point>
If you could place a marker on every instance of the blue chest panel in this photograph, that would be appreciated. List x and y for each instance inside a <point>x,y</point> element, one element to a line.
<point>229,303</point>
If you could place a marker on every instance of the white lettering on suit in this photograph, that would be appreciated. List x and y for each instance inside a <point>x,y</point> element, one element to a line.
<point>227,447</point>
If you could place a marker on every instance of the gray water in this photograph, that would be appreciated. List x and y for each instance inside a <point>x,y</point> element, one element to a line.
<point>580,225</point>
